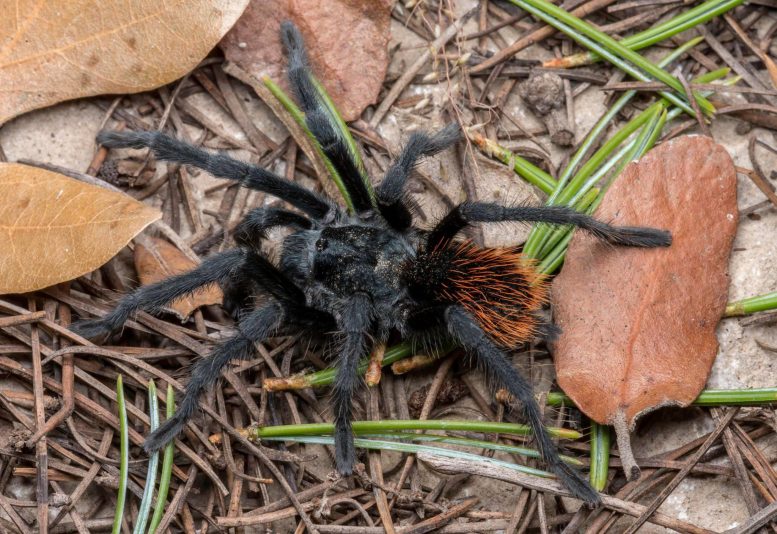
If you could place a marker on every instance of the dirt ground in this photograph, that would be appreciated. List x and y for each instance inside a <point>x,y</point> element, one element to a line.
<point>64,135</point>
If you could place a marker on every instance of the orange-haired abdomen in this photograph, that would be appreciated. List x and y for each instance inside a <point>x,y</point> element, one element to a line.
<point>497,286</point>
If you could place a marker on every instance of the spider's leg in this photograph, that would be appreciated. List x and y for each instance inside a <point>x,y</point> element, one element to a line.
<point>469,212</point>
<point>320,119</point>
<point>354,323</point>
<point>168,149</point>
<point>391,190</point>
<point>498,368</point>
<point>239,291</point>
<point>258,221</point>
<point>255,327</point>
<point>218,268</point>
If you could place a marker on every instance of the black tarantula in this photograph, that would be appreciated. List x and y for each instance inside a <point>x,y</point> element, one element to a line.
<point>363,274</point>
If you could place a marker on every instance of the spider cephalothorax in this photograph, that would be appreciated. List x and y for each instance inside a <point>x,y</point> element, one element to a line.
<point>364,274</point>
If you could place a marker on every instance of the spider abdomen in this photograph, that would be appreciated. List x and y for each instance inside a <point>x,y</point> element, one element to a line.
<point>497,286</point>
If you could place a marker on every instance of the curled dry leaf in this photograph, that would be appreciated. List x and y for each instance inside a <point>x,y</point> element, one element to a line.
<point>347,41</point>
<point>639,325</point>
<point>156,259</point>
<point>54,228</point>
<point>56,51</point>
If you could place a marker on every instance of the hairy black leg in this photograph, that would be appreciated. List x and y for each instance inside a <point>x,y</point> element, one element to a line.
<point>168,149</point>
<point>260,273</point>
<point>320,119</point>
<point>354,323</point>
<point>254,226</point>
<point>391,190</point>
<point>239,296</point>
<point>469,212</point>
<point>152,298</point>
<point>272,280</point>
<point>498,368</point>
<point>255,327</point>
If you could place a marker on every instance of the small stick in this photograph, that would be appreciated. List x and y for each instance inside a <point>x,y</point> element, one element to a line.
<point>376,469</point>
<point>23,318</point>
<point>765,187</point>
<point>703,126</point>
<point>436,522</point>
<point>410,73</point>
<point>41,449</point>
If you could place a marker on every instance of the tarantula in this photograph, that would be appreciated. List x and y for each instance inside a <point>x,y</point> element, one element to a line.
<point>364,274</point>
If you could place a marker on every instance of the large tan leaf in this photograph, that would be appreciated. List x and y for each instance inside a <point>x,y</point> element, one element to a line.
<point>54,228</point>
<point>639,325</point>
<point>346,40</point>
<point>156,259</point>
<point>54,51</point>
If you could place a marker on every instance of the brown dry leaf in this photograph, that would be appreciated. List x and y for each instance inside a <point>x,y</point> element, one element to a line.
<point>156,259</point>
<point>639,325</point>
<point>346,40</point>
<point>54,228</point>
<point>56,51</point>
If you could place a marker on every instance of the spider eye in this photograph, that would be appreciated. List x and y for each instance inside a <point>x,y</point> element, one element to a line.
<point>321,244</point>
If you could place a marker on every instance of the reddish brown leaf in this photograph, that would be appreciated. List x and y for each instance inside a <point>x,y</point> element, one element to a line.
<point>54,228</point>
<point>55,51</point>
<point>346,40</point>
<point>639,325</point>
<point>156,259</point>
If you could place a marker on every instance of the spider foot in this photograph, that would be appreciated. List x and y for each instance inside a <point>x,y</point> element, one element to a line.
<point>94,329</point>
<point>574,481</point>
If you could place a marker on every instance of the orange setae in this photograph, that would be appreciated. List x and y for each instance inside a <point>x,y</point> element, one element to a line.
<point>498,286</point>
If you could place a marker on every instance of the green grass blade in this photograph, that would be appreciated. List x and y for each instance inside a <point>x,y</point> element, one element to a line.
<point>167,467</point>
<point>526,170</point>
<point>600,455</point>
<point>342,128</point>
<point>622,57</point>
<point>380,427</point>
<point>708,397</point>
<point>467,442</point>
<point>299,118</point>
<point>374,444</point>
<point>685,21</point>
<point>590,37</point>
<point>693,17</point>
<point>153,465</point>
<point>121,496</point>
<point>607,118</point>
<point>751,305</point>
<point>550,253</point>
<point>557,233</point>
<point>555,258</point>
<point>540,232</point>
<point>587,203</point>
